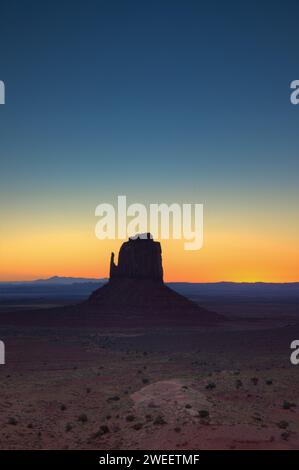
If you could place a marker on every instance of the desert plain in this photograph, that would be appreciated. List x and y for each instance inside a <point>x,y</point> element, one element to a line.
<point>231,386</point>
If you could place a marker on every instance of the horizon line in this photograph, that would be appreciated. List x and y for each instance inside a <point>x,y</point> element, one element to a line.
<point>166,282</point>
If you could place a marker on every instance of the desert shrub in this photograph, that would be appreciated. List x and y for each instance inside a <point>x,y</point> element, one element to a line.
<point>115,398</point>
<point>12,421</point>
<point>257,417</point>
<point>203,413</point>
<point>82,418</point>
<point>159,420</point>
<point>239,383</point>
<point>287,405</point>
<point>210,386</point>
<point>130,418</point>
<point>68,427</point>
<point>283,424</point>
<point>137,426</point>
<point>102,430</point>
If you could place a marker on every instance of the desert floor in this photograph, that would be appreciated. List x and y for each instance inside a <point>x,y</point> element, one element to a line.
<point>230,387</point>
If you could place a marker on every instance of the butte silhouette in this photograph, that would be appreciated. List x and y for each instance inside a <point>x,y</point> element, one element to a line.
<point>136,294</point>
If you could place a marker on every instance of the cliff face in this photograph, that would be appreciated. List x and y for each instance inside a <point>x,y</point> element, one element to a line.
<point>139,258</point>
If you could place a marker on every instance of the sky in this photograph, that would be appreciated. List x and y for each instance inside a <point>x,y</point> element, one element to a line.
<point>162,101</point>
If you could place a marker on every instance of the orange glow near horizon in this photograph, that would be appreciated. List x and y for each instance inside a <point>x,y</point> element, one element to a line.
<point>236,256</point>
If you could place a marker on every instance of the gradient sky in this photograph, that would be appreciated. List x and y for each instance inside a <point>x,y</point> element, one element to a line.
<point>163,101</point>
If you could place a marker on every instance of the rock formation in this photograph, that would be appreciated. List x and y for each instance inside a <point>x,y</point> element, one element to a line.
<point>136,295</point>
<point>139,258</point>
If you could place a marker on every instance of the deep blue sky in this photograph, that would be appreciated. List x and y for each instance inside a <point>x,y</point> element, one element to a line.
<point>159,100</point>
<point>186,87</point>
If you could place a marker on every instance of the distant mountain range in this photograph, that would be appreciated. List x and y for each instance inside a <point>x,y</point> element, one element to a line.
<point>68,289</point>
<point>82,287</point>
<point>55,280</point>
<point>62,280</point>
<point>238,291</point>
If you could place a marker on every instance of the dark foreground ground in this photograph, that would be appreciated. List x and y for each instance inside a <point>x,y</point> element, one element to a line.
<point>225,387</point>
